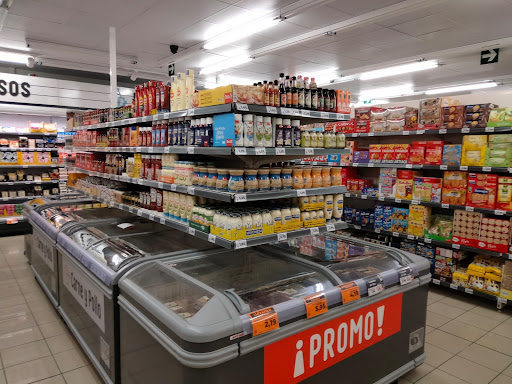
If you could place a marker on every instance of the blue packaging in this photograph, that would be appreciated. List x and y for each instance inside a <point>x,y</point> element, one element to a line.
<point>224,130</point>
<point>348,214</point>
<point>331,249</point>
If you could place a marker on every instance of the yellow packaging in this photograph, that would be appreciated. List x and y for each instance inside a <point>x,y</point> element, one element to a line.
<point>234,234</point>
<point>473,150</point>
<point>416,228</point>
<point>42,158</point>
<point>506,293</point>
<point>278,228</point>
<point>216,96</point>
<point>404,189</point>
<point>460,278</point>
<point>419,213</point>
<point>314,223</point>
<point>476,270</point>
<point>311,206</point>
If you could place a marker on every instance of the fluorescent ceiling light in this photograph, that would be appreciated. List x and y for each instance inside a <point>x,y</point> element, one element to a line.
<point>225,65</point>
<point>233,22</point>
<point>241,32</point>
<point>397,91</point>
<point>11,57</point>
<point>399,70</point>
<point>361,103</point>
<point>459,88</point>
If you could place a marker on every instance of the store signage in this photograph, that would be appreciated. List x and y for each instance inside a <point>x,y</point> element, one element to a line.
<point>304,354</point>
<point>44,249</point>
<point>86,294</point>
<point>489,56</point>
<point>14,88</point>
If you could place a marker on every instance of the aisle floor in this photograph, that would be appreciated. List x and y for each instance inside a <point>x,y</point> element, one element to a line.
<point>467,341</point>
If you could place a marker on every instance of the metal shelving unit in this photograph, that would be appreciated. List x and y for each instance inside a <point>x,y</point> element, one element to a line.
<point>440,131</point>
<point>29,149</point>
<point>22,166</point>
<point>501,302</point>
<point>28,134</point>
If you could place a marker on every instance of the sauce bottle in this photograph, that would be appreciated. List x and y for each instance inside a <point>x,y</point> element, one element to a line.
<point>266,98</point>
<point>287,133</point>
<point>320,99</point>
<point>282,90</point>
<point>276,94</point>
<point>295,93</point>
<point>314,95</point>
<point>327,100</point>
<point>333,100</point>
<point>288,89</point>
<point>302,92</point>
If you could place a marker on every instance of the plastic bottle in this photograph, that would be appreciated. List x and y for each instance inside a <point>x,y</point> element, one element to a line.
<point>279,131</point>
<point>288,89</point>
<point>328,206</point>
<point>267,217</point>
<point>246,221</point>
<point>209,130</point>
<point>282,91</point>
<point>257,219</point>
<point>295,216</point>
<point>248,130</point>
<point>314,95</point>
<point>287,133</point>
<point>286,216</point>
<point>276,217</point>
<point>267,131</point>
<point>296,133</point>
<point>337,209</point>
<point>259,132</point>
<point>276,94</point>
<point>239,131</point>
<point>172,94</point>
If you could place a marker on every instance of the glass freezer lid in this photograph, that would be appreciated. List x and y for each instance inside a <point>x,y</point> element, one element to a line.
<point>99,214</point>
<point>254,279</point>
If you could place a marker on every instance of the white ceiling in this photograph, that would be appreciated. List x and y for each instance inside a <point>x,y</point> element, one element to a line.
<point>434,29</point>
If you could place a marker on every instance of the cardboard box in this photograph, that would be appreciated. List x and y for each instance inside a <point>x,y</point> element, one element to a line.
<point>216,96</point>
<point>401,155</point>
<point>417,152</point>
<point>482,190</point>
<point>427,189</point>
<point>375,153</point>
<point>224,130</point>
<point>434,152</point>
<point>504,194</point>
<point>388,154</point>
<point>404,189</point>
<point>452,154</point>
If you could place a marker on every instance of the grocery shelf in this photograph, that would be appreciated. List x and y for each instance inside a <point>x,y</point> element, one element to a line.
<point>440,131</point>
<point>22,166</point>
<point>216,109</point>
<point>218,195</point>
<point>28,149</point>
<point>28,134</point>
<point>430,241</point>
<point>11,219</point>
<point>426,166</point>
<point>498,212</point>
<point>501,302</point>
<point>229,244</point>
<point>17,199</point>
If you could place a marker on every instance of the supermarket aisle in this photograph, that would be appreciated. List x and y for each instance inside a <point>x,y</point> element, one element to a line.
<point>35,345</point>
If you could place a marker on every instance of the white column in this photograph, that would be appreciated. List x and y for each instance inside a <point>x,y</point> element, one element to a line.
<point>113,67</point>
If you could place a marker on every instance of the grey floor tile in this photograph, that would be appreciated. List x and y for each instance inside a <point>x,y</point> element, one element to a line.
<point>508,371</point>
<point>460,329</point>
<point>446,310</point>
<point>446,341</point>
<point>502,379</point>
<point>11,291</point>
<point>439,377</point>
<point>41,305</point>
<point>435,320</point>
<point>504,329</point>
<point>19,337</point>
<point>460,302</point>
<point>487,357</point>
<point>468,371</point>
<point>84,375</point>
<point>12,300</point>
<point>53,329</point>
<point>32,371</point>
<point>46,316</point>
<point>59,379</point>
<point>480,321</point>
<point>491,311</point>
<point>435,355</point>
<point>14,311</point>
<point>6,274</point>
<point>70,360</point>
<point>60,343</point>
<point>418,372</point>
<point>2,377</point>
<point>24,353</point>
<point>496,342</point>
<point>434,295</point>
<point>428,329</point>
<point>34,296</point>
<point>16,323</point>
<point>403,381</point>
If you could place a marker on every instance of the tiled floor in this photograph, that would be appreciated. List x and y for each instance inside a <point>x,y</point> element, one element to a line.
<point>35,345</point>
<point>467,341</point>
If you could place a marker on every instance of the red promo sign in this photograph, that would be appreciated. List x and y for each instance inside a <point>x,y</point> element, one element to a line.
<point>300,356</point>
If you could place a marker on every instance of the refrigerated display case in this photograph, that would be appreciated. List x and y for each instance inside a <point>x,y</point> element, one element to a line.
<point>272,315</point>
<point>92,259</point>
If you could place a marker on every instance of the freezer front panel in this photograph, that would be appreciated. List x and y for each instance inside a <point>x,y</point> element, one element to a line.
<point>45,264</point>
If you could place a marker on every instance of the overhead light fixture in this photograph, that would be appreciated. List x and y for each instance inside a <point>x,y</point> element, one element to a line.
<point>241,32</point>
<point>12,57</point>
<point>459,88</point>
<point>399,70</point>
<point>366,103</point>
<point>225,65</point>
<point>134,75</point>
<point>401,90</point>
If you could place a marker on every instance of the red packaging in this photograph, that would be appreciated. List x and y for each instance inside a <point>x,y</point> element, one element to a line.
<point>388,153</point>
<point>363,113</point>
<point>345,126</point>
<point>157,94</point>
<point>362,126</point>
<point>152,98</point>
<point>375,153</point>
<point>141,101</point>
<point>401,153</point>
<point>145,96</point>
<point>434,153</point>
<point>405,175</point>
<point>482,190</point>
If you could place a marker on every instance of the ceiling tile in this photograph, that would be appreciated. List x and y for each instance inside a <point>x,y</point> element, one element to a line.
<point>227,14</point>
<point>319,17</point>
<point>428,24</point>
<point>192,35</point>
<point>264,4</point>
<point>381,36</point>
<point>284,30</point>
<point>360,7</point>
<point>39,10</point>
<point>341,35</point>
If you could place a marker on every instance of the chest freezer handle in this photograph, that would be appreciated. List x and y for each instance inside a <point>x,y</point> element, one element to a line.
<point>237,301</point>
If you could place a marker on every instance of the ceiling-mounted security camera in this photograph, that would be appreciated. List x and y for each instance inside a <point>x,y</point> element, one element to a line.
<point>31,62</point>
<point>134,75</point>
<point>174,48</point>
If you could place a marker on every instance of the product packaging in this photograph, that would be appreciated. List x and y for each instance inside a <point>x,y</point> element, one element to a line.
<point>466,227</point>
<point>427,189</point>
<point>452,154</point>
<point>473,150</point>
<point>482,190</point>
<point>500,117</point>
<point>440,229</point>
<point>434,152</point>
<point>453,117</point>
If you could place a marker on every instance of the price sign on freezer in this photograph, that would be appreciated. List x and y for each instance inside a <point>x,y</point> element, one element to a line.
<point>375,285</point>
<point>316,304</point>
<point>263,321</point>
<point>349,292</point>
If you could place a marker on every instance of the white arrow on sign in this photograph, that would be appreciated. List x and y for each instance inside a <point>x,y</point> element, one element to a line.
<point>489,56</point>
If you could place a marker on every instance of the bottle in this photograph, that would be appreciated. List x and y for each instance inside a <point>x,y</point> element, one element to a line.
<point>288,89</point>
<point>302,92</point>
<point>327,100</point>
<point>307,94</point>
<point>259,132</point>
<point>314,95</point>
<point>287,133</point>
<point>279,132</point>
<point>320,99</point>
<point>276,94</point>
<point>296,133</point>
<point>248,130</point>
<point>239,131</point>
<point>209,130</point>
<point>266,98</point>
<point>333,100</point>
<point>267,131</point>
<point>282,90</point>
<point>337,208</point>
<point>328,205</point>
<point>295,216</point>
<point>295,93</point>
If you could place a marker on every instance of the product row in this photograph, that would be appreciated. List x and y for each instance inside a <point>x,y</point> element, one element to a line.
<point>36,190</point>
<point>7,210</point>
<point>26,158</point>
<point>32,127</point>
<point>21,175</point>
<point>25,142</point>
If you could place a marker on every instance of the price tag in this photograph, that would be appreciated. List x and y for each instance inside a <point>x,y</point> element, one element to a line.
<point>240,151</point>
<point>410,237</point>
<point>11,220</point>
<point>489,129</point>
<point>371,165</point>
<point>375,285</point>
<point>211,238</point>
<point>271,110</point>
<point>501,300</point>
<point>316,304</point>
<point>240,198</point>
<point>139,212</point>
<point>330,227</point>
<point>377,230</point>
<point>436,281</point>
<point>173,187</point>
<point>355,164</point>
<point>456,246</point>
<point>465,130</point>
<point>468,290</point>
<point>239,244</point>
<point>381,198</point>
<point>192,231</point>
<point>191,112</point>
<point>190,190</point>
<point>286,111</point>
<point>305,113</point>
<point>150,149</point>
<point>415,202</point>
<point>309,151</point>
<point>364,197</point>
<point>314,231</point>
<point>406,133</point>
<point>324,115</point>
<point>428,241</point>
<point>454,286</point>
<point>160,185</point>
<point>140,181</point>
<point>499,212</point>
<point>242,107</point>
<point>280,151</point>
<point>470,209</point>
<point>167,150</point>
<point>162,220</point>
<point>408,166</point>
<point>357,227</point>
<point>25,166</point>
<point>510,256</point>
<point>442,131</point>
<point>263,321</point>
<point>355,134</point>
<point>396,234</point>
<point>486,169</point>
<point>349,292</point>
<point>445,205</point>
<point>370,134</point>
<point>443,167</point>
<point>463,167</point>
<point>190,150</point>
<point>260,151</point>
<point>398,200</point>
<point>151,217</point>
<point>420,132</point>
<point>295,112</point>
<point>405,275</point>
<point>301,192</point>
<point>282,236</point>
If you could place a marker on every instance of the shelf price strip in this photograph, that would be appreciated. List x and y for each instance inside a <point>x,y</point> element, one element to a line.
<point>316,304</point>
<point>263,321</point>
<point>349,292</point>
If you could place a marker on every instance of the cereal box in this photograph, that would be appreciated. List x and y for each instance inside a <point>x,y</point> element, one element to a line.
<point>427,189</point>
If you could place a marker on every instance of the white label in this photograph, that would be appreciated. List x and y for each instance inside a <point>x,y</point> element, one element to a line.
<point>468,290</point>
<point>489,129</point>
<point>443,167</point>
<point>242,107</point>
<point>173,187</point>
<point>150,149</point>
<point>357,226</point>
<point>211,238</point>
<point>44,249</point>
<point>240,244</point>
<point>306,113</point>
<point>151,217</point>
<point>324,115</point>
<point>406,279</point>
<point>191,112</point>
<point>465,130</point>
<point>340,116</point>
<point>501,300</point>
<point>398,200</point>
<point>190,150</point>
<point>420,132</point>
<point>260,151</point>
<point>192,231</point>
<point>470,209</point>
<point>463,167</point>
<point>140,181</point>
<point>355,165</point>
<point>240,151</point>
<point>371,165</point>
<point>396,234</point>
<point>486,169</point>
<point>355,134</point>
<point>330,227</point>
<point>286,111</point>
<point>105,352</point>
<point>295,112</point>
<point>442,131</point>
<point>167,150</point>
<point>456,246</point>
<point>280,151</point>
<point>85,293</point>
<point>190,190</point>
<point>410,237</point>
<point>301,192</point>
<point>162,220</point>
<point>374,290</point>
<point>240,198</point>
<point>406,133</point>
<point>125,225</point>
<point>377,230</point>
<point>381,198</point>
<point>454,286</point>
<point>436,281</point>
<point>510,256</point>
<point>408,166</point>
<point>499,212</point>
<point>314,231</point>
<point>428,241</point>
<point>282,236</point>
<point>309,151</point>
<point>364,197</point>
<point>139,212</point>
<point>160,185</point>
<point>25,166</point>
<point>370,134</point>
<point>271,110</point>
<point>415,202</point>
<point>445,205</point>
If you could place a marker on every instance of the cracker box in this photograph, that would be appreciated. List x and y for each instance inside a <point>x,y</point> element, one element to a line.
<point>456,196</point>
<point>455,179</point>
<point>400,214</point>
<point>401,155</point>
<point>400,226</point>
<point>378,126</point>
<point>362,126</point>
<point>419,213</point>
<point>404,189</point>
<point>473,150</point>
<point>416,228</point>
<point>434,152</point>
<point>453,116</point>
<point>494,235</point>
<point>363,113</point>
<point>504,194</point>
<point>482,190</point>
<point>417,152</point>
<point>477,115</point>
<point>452,154</point>
<point>427,189</point>
<point>375,153</point>
<point>388,154</point>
